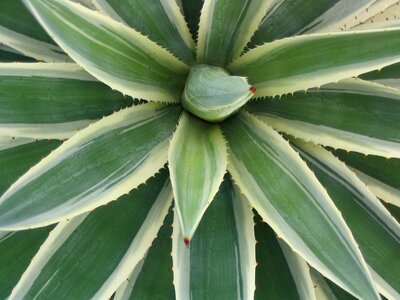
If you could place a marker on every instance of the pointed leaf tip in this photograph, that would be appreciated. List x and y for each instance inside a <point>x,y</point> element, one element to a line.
<point>186,241</point>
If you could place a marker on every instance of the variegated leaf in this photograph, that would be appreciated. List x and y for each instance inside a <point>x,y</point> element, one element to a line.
<point>52,100</point>
<point>302,62</point>
<point>227,227</point>
<point>197,163</point>
<point>119,234</point>
<point>169,29</point>
<point>353,115</point>
<point>112,52</point>
<point>88,170</point>
<point>290,199</point>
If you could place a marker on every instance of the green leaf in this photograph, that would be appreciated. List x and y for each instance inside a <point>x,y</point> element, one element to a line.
<point>375,231</point>
<point>169,29</point>
<point>385,16</point>
<point>18,155</point>
<point>326,290</point>
<point>8,54</point>
<point>119,234</point>
<point>354,115</point>
<point>302,62</point>
<point>212,94</point>
<point>200,271</point>
<point>381,175</point>
<point>339,293</point>
<point>389,76</point>
<point>280,273</point>
<point>112,52</point>
<point>290,199</point>
<point>20,30</point>
<point>226,27</point>
<point>88,170</point>
<point>16,252</point>
<point>52,100</point>
<point>394,210</point>
<point>152,277</point>
<point>345,15</point>
<point>197,163</point>
<point>191,10</point>
<point>290,17</point>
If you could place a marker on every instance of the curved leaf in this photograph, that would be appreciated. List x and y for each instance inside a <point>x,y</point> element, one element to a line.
<point>197,163</point>
<point>381,175</point>
<point>374,229</point>
<point>226,27</point>
<point>18,155</point>
<point>168,29</point>
<point>119,234</point>
<point>386,17</point>
<point>280,273</point>
<point>191,10</point>
<point>227,227</point>
<point>302,62</point>
<point>152,277</point>
<point>8,54</point>
<point>52,100</point>
<point>20,30</point>
<point>290,199</point>
<point>288,18</point>
<point>389,76</point>
<point>88,170</point>
<point>345,15</point>
<point>112,52</point>
<point>351,115</point>
<point>16,252</point>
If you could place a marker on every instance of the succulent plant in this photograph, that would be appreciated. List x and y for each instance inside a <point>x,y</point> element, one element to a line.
<point>225,149</point>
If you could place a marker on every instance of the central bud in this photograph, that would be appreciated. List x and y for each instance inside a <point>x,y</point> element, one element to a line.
<point>212,94</point>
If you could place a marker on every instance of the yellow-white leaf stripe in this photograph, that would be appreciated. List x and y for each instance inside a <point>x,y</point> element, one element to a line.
<point>322,289</point>
<point>381,190</point>
<point>146,168</point>
<point>136,251</point>
<point>172,10</point>
<point>181,262</point>
<point>176,18</point>
<point>328,136</point>
<point>346,14</point>
<point>7,142</point>
<point>254,15</point>
<point>133,89</point>
<point>347,178</point>
<point>140,244</point>
<point>55,240</point>
<point>388,17</point>
<point>126,288</point>
<point>247,260</point>
<point>106,9</point>
<point>51,70</point>
<point>184,197</point>
<point>273,217</point>
<point>340,139</point>
<point>247,242</point>
<point>32,47</point>
<point>316,78</point>
<point>300,272</point>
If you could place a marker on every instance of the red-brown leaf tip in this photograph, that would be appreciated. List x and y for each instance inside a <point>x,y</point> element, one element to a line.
<point>186,241</point>
<point>252,89</point>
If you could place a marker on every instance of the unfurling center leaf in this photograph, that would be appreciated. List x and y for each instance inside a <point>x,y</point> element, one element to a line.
<point>212,94</point>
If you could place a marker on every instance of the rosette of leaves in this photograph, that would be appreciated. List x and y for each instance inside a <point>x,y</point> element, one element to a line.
<point>239,149</point>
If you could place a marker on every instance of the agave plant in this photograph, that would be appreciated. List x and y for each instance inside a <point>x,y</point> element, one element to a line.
<point>248,144</point>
